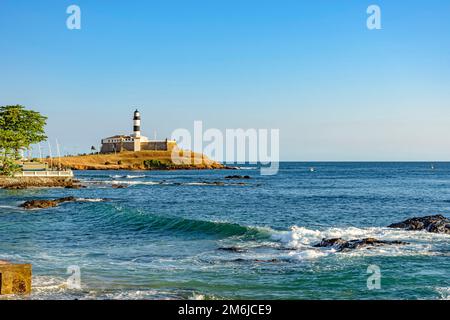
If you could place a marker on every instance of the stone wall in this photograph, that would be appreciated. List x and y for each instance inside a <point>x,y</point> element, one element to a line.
<point>145,146</point>
<point>110,147</point>
<point>154,145</point>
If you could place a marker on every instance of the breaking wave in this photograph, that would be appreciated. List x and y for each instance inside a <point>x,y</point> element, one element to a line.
<point>300,241</point>
<point>112,216</point>
<point>128,176</point>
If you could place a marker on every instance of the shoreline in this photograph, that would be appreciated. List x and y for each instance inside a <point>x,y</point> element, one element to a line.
<point>177,168</point>
<point>20,183</point>
<point>17,183</point>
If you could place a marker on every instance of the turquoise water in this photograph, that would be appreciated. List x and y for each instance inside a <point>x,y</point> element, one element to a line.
<point>160,237</point>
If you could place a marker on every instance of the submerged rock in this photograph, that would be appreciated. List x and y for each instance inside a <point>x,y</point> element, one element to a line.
<point>42,204</point>
<point>237,177</point>
<point>257,260</point>
<point>340,244</point>
<point>119,186</point>
<point>16,187</point>
<point>75,186</point>
<point>435,224</point>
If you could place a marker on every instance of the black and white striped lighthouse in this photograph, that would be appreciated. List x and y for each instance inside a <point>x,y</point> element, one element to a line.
<point>137,124</point>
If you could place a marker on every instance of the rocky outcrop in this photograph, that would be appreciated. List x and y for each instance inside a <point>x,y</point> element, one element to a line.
<point>340,244</point>
<point>15,278</point>
<point>17,183</point>
<point>42,204</point>
<point>435,224</point>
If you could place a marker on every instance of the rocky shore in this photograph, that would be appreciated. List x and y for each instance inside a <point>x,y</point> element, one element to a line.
<point>14,183</point>
<point>142,160</point>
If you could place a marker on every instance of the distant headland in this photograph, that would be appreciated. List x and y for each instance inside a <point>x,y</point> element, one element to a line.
<point>137,152</point>
<point>22,128</point>
<point>136,160</point>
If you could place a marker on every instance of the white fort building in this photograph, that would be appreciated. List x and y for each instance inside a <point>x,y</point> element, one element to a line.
<point>135,141</point>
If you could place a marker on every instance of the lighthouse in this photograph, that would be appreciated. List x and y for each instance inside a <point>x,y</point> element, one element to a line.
<point>137,124</point>
<point>135,142</point>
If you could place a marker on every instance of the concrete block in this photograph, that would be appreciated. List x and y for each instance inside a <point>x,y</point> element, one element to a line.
<point>15,278</point>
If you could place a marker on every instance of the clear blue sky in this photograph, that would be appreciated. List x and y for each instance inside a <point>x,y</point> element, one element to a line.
<point>336,90</point>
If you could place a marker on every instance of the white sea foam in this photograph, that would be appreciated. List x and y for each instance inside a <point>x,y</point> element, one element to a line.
<point>90,199</point>
<point>128,176</point>
<point>135,177</point>
<point>444,293</point>
<point>301,240</point>
<point>202,184</point>
<point>197,296</point>
<point>310,254</point>
<point>132,183</point>
<point>9,208</point>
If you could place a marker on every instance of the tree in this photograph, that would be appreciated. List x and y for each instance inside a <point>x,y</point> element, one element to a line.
<point>19,129</point>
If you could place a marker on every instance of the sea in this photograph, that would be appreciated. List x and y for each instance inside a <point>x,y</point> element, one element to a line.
<point>195,235</point>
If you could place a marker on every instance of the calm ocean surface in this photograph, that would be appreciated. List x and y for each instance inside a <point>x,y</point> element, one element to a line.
<point>160,237</point>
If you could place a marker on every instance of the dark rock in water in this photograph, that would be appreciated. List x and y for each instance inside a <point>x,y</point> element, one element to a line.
<point>118,186</point>
<point>257,260</point>
<point>42,204</point>
<point>232,249</point>
<point>39,204</point>
<point>341,244</point>
<point>212,183</point>
<point>435,224</point>
<point>267,261</point>
<point>74,186</point>
<point>16,187</point>
<point>237,177</point>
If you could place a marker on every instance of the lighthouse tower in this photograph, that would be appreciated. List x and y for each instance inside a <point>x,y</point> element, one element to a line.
<point>137,124</point>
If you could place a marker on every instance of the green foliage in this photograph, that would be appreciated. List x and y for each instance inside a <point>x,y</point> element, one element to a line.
<point>154,164</point>
<point>9,166</point>
<point>19,129</point>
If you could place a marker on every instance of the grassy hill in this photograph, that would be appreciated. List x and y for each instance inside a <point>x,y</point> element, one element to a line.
<point>143,160</point>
